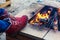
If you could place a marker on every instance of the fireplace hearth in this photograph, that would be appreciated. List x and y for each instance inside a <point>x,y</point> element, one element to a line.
<point>47,17</point>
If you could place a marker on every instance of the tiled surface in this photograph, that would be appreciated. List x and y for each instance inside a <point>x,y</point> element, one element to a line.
<point>53,35</point>
<point>33,31</point>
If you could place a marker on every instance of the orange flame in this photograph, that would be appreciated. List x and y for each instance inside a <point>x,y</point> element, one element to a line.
<point>38,17</point>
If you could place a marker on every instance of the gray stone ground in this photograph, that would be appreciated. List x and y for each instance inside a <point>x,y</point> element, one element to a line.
<point>19,5</point>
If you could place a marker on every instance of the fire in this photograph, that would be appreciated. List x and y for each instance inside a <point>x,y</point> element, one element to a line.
<point>38,17</point>
<point>42,16</point>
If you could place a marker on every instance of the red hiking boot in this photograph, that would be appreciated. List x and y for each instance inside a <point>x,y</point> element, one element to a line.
<point>17,24</point>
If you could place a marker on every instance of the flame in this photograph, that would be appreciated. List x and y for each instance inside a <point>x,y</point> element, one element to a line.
<point>42,16</point>
<point>38,17</point>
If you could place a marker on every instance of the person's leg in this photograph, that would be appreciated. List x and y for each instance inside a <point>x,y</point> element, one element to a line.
<point>4,26</point>
<point>17,25</point>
